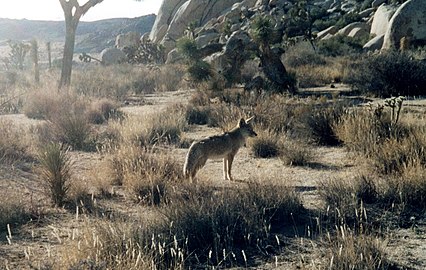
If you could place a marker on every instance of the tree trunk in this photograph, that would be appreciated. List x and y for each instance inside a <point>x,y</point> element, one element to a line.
<point>275,71</point>
<point>73,12</point>
<point>70,27</point>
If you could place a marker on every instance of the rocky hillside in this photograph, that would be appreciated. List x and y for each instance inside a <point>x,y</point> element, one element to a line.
<point>91,36</point>
<point>381,23</point>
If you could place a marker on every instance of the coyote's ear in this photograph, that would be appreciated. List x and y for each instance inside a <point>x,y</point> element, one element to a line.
<point>241,122</point>
<point>249,120</point>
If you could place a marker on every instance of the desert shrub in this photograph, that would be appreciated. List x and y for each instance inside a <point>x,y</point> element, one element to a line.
<point>265,145</point>
<point>295,153</point>
<point>49,103</point>
<point>165,127</point>
<point>102,110</point>
<point>55,171</point>
<point>318,124</point>
<point>74,130</point>
<point>389,74</point>
<point>336,70</point>
<point>364,130</point>
<point>198,115</point>
<point>339,46</point>
<point>14,145</point>
<point>302,54</point>
<point>12,212</point>
<point>408,189</point>
<point>200,71</point>
<point>249,70</point>
<point>146,175</point>
<point>169,78</point>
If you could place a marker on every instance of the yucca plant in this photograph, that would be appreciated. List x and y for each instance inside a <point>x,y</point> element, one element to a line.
<point>55,171</point>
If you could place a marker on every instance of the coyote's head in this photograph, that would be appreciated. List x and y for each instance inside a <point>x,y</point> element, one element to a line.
<point>246,128</point>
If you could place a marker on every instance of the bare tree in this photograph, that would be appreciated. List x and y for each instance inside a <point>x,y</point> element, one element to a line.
<point>73,12</point>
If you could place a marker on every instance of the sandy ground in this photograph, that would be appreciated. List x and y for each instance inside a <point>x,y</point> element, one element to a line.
<point>40,239</point>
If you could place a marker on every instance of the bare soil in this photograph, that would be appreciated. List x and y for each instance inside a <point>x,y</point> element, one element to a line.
<point>39,240</point>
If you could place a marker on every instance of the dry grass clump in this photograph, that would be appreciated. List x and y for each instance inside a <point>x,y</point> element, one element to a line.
<point>14,143</point>
<point>199,228</point>
<point>12,212</point>
<point>265,145</point>
<point>351,250</point>
<point>107,245</point>
<point>102,110</point>
<point>55,171</point>
<point>147,175</point>
<point>296,153</point>
<point>169,77</point>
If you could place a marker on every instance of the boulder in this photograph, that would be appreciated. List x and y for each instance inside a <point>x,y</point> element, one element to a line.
<point>358,32</point>
<point>206,39</point>
<point>174,57</point>
<point>348,28</point>
<point>409,21</point>
<point>112,56</point>
<point>127,40</point>
<point>366,12</point>
<point>165,15</point>
<point>381,19</point>
<point>180,14</point>
<point>331,30</point>
<point>377,3</point>
<point>374,44</point>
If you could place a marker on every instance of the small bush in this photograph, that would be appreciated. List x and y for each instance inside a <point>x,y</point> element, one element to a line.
<point>102,110</point>
<point>318,125</point>
<point>302,54</point>
<point>295,153</point>
<point>75,131</point>
<point>265,145</point>
<point>14,146</point>
<point>389,74</point>
<point>147,175</point>
<point>55,171</point>
<point>340,45</point>
<point>198,115</point>
<point>12,212</point>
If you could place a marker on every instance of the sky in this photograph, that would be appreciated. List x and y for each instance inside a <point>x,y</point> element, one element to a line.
<point>51,10</point>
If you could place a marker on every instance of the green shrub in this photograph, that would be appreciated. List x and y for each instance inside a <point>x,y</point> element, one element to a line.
<point>389,74</point>
<point>200,71</point>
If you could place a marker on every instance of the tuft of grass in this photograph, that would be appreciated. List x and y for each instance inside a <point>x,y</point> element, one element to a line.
<point>351,250</point>
<point>55,171</point>
<point>266,145</point>
<point>75,131</point>
<point>295,153</point>
<point>12,212</point>
<point>14,145</point>
<point>146,175</point>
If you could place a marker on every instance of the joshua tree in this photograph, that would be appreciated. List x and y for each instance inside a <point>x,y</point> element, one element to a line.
<point>73,12</point>
<point>263,33</point>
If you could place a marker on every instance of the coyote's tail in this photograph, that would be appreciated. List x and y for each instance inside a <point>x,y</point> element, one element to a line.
<point>194,161</point>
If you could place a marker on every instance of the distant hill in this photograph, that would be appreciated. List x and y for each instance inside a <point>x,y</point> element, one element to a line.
<point>91,36</point>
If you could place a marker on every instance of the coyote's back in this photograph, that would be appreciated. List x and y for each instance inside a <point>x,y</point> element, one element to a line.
<point>224,146</point>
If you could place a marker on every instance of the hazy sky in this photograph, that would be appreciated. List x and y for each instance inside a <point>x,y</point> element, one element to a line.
<point>51,9</point>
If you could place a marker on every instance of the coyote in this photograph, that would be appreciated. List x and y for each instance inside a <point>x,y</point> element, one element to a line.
<point>224,146</point>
